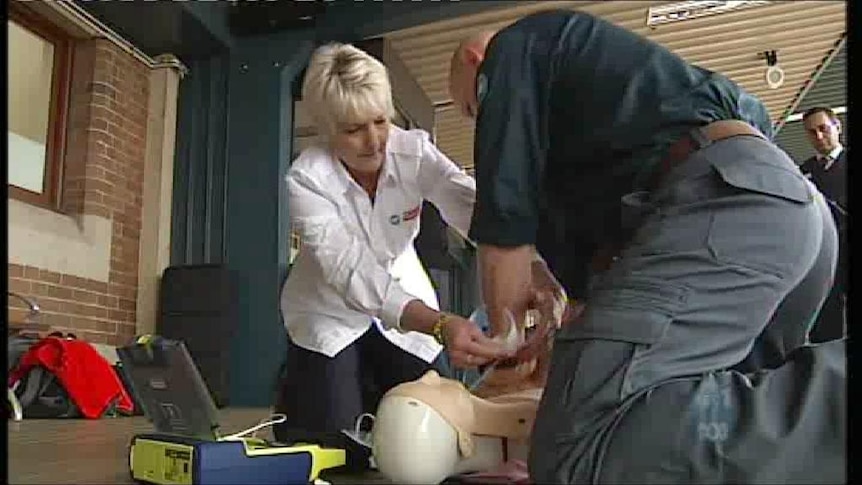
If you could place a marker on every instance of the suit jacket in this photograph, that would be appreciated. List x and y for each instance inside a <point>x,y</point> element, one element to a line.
<point>833,184</point>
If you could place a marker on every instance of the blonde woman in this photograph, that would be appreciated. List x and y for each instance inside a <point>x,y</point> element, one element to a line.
<point>359,308</point>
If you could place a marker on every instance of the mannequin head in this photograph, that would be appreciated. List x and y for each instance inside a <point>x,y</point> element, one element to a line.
<point>412,443</point>
<point>431,428</point>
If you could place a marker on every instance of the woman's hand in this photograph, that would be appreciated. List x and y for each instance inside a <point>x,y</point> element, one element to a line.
<point>468,347</point>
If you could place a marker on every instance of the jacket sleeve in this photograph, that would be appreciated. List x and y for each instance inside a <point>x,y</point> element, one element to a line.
<point>447,186</point>
<point>511,139</point>
<point>345,261</point>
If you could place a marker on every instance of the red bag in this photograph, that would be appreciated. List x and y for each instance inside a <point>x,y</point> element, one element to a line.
<point>86,376</point>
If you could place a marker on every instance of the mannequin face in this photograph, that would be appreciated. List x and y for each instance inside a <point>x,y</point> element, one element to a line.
<point>823,132</point>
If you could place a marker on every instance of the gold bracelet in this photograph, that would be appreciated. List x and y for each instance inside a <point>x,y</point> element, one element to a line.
<point>437,328</point>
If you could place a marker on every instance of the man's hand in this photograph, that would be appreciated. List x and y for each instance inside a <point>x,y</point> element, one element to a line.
<point>538,343</point>
<point>554,309</point>
<point>543,280</point>
<point>505,282</point>
<point>547,295</point>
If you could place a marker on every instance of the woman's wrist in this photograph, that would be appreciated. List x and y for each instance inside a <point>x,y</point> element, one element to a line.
<point>438,330</point>
<point>419,317</point>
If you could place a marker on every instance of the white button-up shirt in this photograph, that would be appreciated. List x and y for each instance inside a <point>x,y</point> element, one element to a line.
<point>357,265</point>
<point>833,155</point>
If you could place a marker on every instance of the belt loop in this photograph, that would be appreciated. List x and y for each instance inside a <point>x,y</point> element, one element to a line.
<point>700,138</point>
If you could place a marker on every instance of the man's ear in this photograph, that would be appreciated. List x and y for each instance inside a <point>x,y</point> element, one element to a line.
<point>473,56</point>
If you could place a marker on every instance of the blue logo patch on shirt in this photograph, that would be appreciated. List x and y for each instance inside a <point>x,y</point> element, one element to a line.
<point>408,215</point>
<point>481,87</point>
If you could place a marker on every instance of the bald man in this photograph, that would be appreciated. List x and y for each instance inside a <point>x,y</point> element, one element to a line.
<point>689,363</point>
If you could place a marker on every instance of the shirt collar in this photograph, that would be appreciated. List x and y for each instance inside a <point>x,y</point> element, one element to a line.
<point>346,182</point>
<point>388,174</point>
<point>831,157</point>
<point>341,174</point>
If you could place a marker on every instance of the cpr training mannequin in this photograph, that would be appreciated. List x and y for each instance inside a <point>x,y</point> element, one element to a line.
<point>433,428</point>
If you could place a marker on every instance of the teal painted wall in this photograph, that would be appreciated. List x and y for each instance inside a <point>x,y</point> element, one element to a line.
<point>262,74</point>
<point>200,169</point>
<point>234,145</point>
<point>230,207</point>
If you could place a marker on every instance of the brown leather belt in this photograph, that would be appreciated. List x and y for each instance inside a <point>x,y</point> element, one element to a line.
<point>697,139</point>
<point>678,152</point>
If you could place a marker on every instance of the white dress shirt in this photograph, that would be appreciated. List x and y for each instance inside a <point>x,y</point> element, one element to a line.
<point>357,264</point>
<point>833,155</point>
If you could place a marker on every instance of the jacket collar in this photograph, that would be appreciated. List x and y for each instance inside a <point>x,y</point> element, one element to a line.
<point>831,157</point>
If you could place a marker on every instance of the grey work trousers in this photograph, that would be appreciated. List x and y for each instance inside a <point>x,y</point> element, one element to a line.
<point>690,363</point>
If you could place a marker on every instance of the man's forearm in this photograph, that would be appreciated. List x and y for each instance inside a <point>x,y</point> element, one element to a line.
<point>505,279</point>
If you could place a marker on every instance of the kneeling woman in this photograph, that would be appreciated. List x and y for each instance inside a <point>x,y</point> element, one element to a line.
<point>360,311</point>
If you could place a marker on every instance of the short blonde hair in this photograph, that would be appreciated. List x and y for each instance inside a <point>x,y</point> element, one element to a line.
<point>344,84</point>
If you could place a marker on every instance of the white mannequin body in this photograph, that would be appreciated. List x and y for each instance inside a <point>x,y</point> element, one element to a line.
<point>413,443</point>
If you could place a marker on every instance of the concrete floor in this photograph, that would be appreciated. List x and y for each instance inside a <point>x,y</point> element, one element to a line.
<point>96,451</point>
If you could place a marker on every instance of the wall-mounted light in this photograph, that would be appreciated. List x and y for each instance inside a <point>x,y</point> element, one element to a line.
<point>774,72</point>
<point>677,12</point>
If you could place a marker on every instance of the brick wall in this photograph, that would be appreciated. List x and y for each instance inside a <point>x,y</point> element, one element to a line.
<point>103,176</point>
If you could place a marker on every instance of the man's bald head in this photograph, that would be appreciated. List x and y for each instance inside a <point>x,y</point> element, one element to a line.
<point>463,70</point>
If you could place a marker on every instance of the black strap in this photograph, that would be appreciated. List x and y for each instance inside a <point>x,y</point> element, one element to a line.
<point>837,207</point>
<point>34,386</point>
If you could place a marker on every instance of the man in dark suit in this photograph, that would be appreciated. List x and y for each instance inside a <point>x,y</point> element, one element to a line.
<point>828,171</point>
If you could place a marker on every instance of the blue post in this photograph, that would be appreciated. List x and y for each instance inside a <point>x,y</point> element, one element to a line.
<point>260,113</point>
